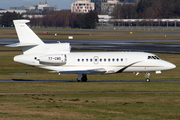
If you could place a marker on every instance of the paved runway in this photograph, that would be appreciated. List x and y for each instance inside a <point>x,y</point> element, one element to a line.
<point>122,81</point>
<point>108,31</point>
<point>115,45</point>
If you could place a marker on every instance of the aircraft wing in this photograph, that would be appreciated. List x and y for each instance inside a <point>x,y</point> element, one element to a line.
<point>93,71</point>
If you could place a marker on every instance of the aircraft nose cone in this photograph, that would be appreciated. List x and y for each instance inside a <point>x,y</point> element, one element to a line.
<point>171,66</point>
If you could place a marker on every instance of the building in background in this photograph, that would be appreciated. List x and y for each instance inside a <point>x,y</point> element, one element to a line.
<point>98,4</point>
<point>82,6</point>
<point>30,11</point>
<point>108,7</point>
<point>11,11</point>
<point>24,7</point>
<point>129,0</point>
<point>45,7</point>
<point>37,9</point>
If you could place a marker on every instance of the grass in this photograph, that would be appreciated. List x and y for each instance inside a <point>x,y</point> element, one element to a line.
<point>91,100</point>
<point>94,34</point>
<point>127,101</point>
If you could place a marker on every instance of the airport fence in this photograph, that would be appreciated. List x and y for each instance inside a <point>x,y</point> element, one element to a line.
<point>138,28</point>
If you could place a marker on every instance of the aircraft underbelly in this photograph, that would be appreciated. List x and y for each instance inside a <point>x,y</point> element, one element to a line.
<point>143,69</point>
<point>80,68</point>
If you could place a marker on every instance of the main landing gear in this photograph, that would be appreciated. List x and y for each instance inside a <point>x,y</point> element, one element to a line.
<point>147,75</point>
<point>82,78</point>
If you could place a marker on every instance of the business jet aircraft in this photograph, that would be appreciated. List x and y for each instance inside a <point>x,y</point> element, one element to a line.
<point>57,57</point>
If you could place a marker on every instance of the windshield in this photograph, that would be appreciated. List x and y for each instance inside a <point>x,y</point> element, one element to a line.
<point>154,57</point>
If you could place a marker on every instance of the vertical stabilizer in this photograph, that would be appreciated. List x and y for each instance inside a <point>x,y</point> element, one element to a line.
<point>25,34</point>
<point>32,44</point>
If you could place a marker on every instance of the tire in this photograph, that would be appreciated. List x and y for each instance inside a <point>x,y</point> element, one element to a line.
<point>78,80</point>
<point>83,79</point>
<point>147,80</point>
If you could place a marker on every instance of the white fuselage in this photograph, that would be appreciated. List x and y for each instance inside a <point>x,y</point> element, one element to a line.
<point>59,58</point>
<point>111,62</point>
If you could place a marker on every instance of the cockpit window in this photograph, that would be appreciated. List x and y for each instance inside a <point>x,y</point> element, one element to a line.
<point>154,57</point>
<point>157,57</point>
<point>149,57</point>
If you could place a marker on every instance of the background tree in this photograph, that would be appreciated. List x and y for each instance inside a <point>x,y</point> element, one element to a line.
<point>63,18</point>
<point>87,20</point>
<point>142,7</point>
<point>125,11</point>
<point>79,21</point>
<point>8,17</point>
<point>148,9</point>
<point>91,19</point>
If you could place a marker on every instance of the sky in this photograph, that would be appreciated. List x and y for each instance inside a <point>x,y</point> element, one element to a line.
<point>61,4</point>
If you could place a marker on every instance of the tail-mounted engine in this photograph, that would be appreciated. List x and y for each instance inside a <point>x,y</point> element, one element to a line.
<point>56,59</point>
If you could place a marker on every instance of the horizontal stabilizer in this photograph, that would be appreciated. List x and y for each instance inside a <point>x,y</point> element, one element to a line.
<point>22,44</point>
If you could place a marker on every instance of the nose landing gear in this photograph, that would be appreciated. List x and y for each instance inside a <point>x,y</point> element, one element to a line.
<point>147,75</point>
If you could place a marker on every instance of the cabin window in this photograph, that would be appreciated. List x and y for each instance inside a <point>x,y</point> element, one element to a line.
<point>121,59</point>
<point>95,60</point>
<point>82,60</point>
<point>113,59</point>
<point>78,60</point>
<point>109,60</point>
<point>104,60</point>
<point>86,60</point>
<point>100,60</point>
<point>91,60</point>
<point>117,60</point>
<point>65,57</point>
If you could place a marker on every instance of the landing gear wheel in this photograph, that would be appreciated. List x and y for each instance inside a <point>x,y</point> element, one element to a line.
<point>82,78</point>
<point>147,80</point>
<point>78,80</point>
<point>147,75</point>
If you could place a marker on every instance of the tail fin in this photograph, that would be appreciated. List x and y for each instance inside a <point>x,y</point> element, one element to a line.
<point>29,41</point>
<point>32,44</point>
<point>26,36</point>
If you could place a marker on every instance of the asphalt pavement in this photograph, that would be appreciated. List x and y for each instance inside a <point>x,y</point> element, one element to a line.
<point>122,81</point>
<point>115,45</point>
